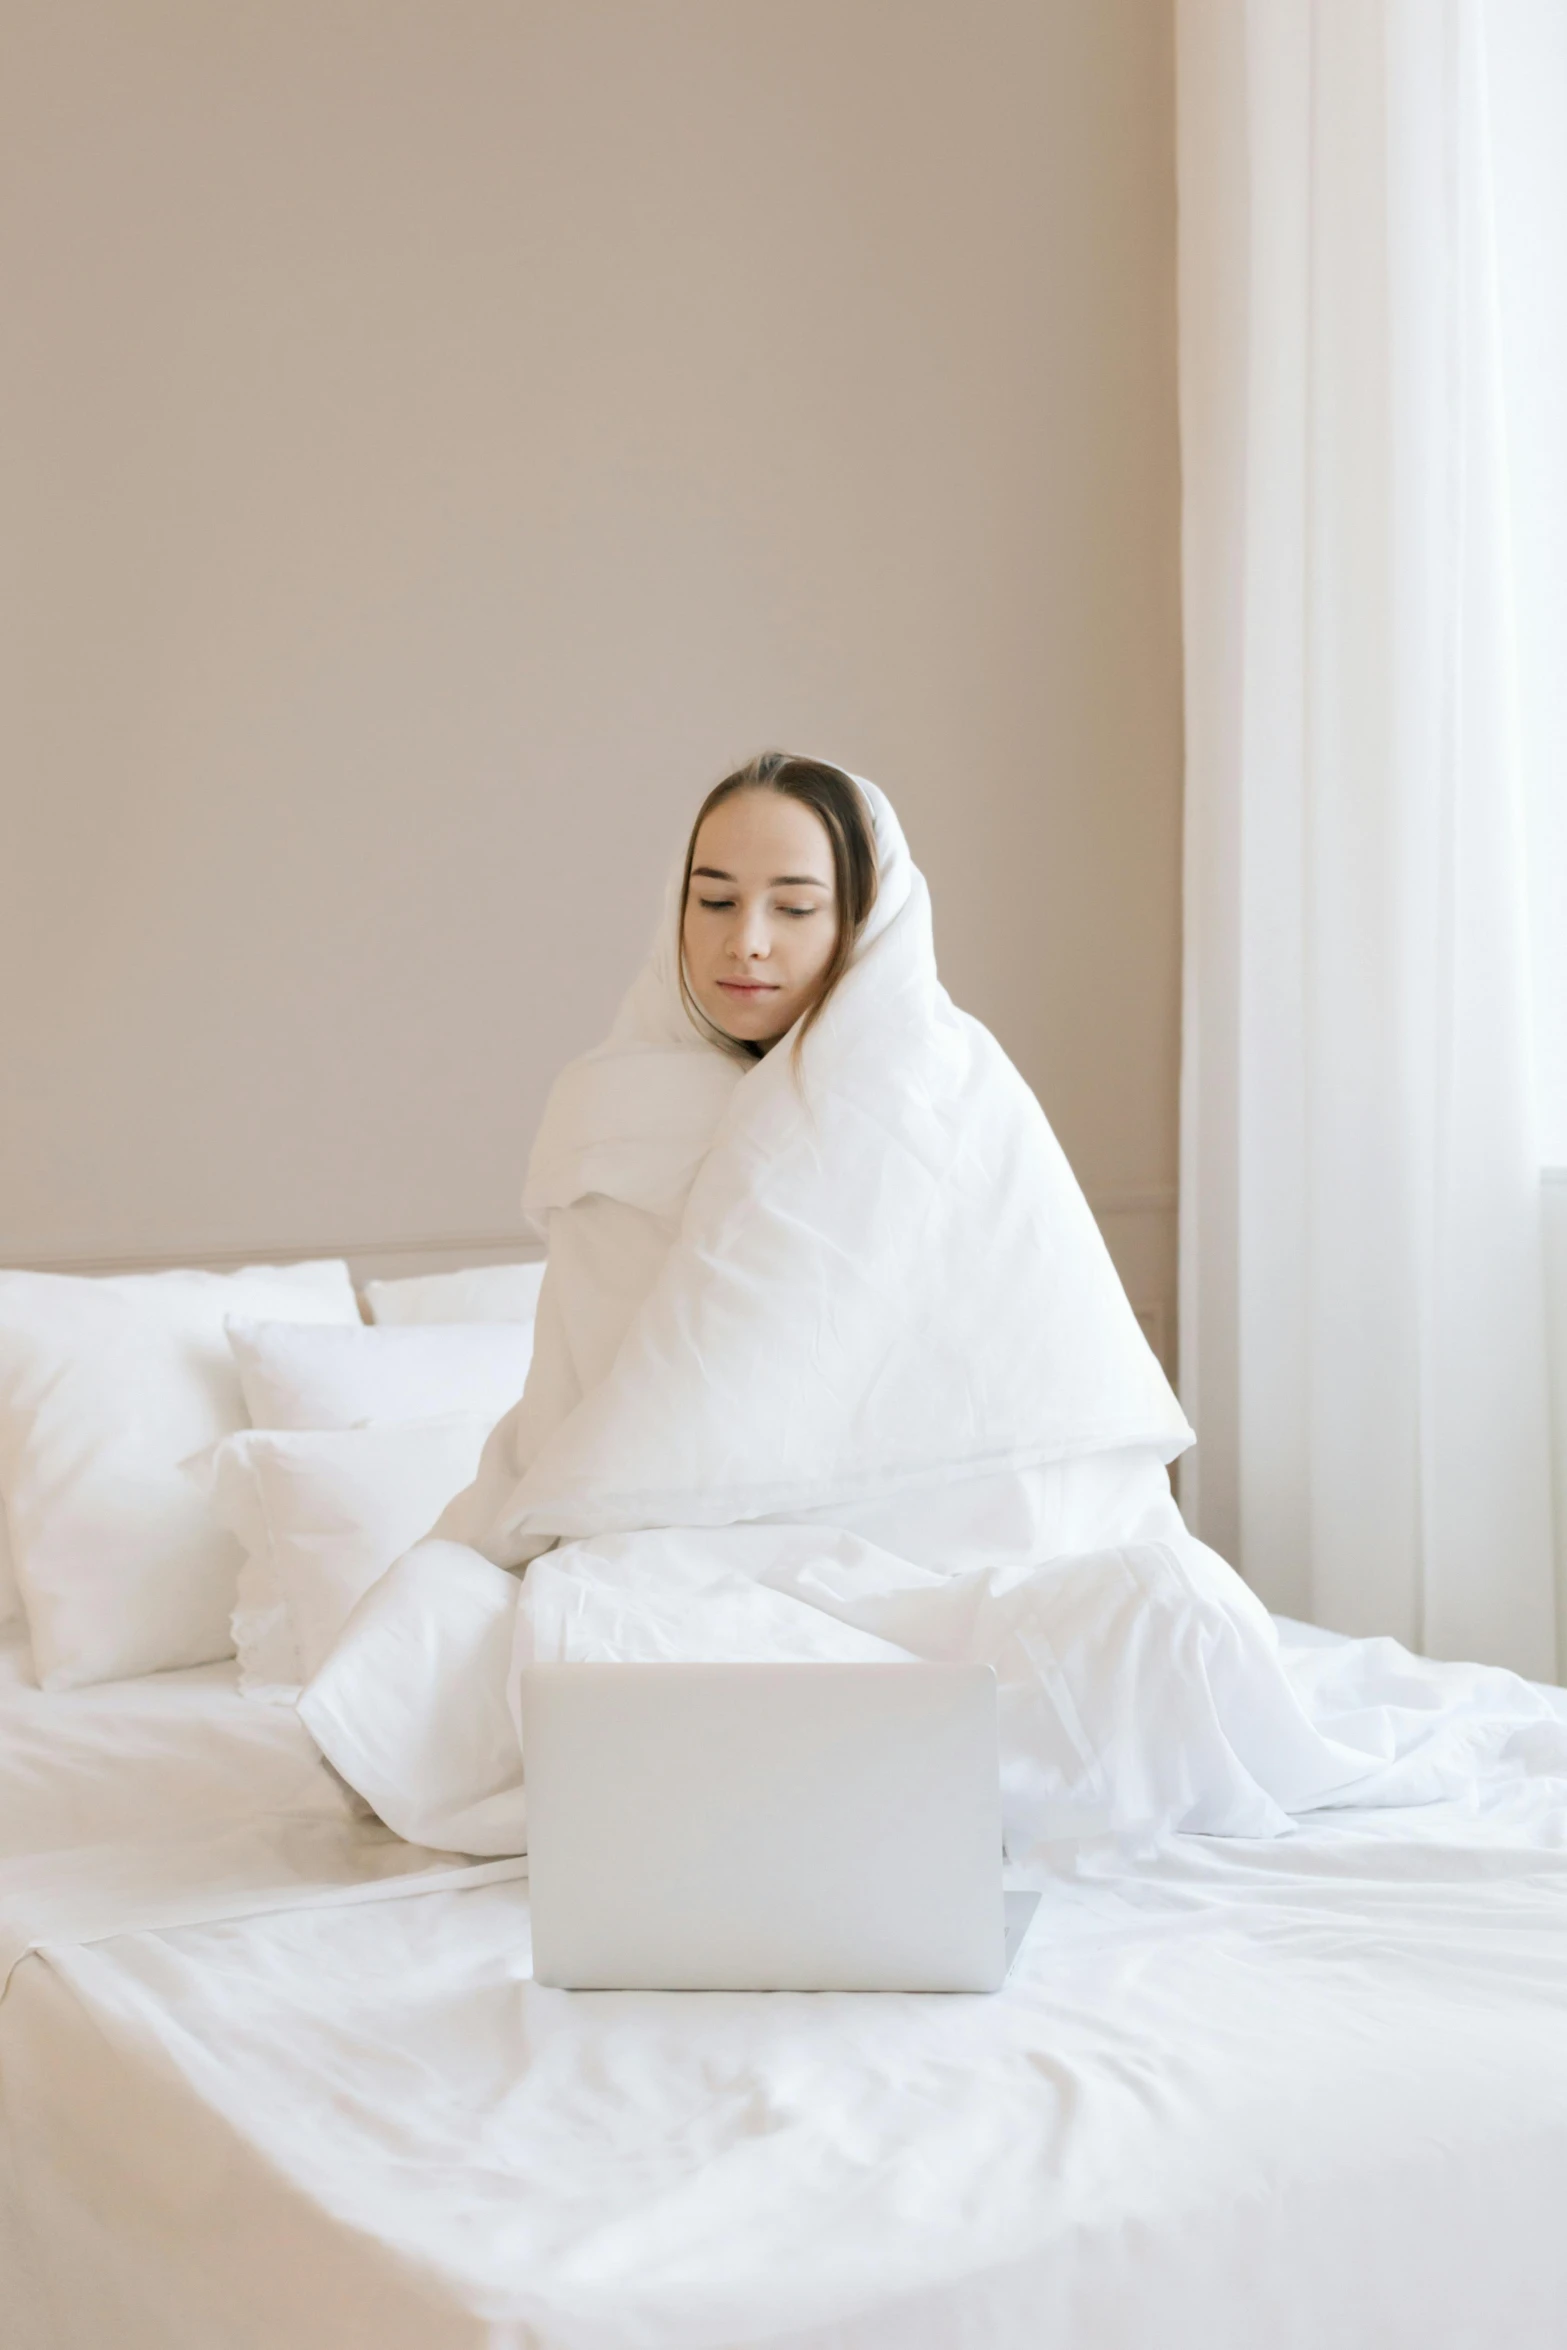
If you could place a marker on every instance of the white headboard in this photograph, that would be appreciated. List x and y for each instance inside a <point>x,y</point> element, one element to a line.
<point>380,1260</point>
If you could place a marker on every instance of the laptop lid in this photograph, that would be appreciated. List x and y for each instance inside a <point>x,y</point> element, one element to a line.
<point>764,1827</point>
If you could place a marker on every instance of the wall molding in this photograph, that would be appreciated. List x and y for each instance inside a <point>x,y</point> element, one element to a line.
<point>1159,1199</point>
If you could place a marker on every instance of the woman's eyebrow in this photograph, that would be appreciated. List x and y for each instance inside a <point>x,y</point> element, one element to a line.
<point>779,880</point>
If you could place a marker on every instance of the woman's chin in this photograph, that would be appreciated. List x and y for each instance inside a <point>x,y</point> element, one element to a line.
<point>758,1038</point>
<point>754,1024</point>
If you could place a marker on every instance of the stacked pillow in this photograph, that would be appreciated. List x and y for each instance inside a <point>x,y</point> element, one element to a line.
<point>149,1527</point>
<point>480,1293</point>
<point>359,1440</point>
<point>106,1387</point>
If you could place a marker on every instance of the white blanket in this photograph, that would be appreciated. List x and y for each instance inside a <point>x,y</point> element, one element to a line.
<point>831,1361</point>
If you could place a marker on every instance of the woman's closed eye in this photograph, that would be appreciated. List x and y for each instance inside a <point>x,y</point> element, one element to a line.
<point>726,905</point>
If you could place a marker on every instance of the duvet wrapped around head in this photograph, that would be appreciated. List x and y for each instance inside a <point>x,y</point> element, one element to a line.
<point>833,1277</point>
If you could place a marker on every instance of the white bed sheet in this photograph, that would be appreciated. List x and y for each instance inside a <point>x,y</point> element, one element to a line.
<point>134,1804</point>
<point>173,1799</point>
<point>1299,2092</point>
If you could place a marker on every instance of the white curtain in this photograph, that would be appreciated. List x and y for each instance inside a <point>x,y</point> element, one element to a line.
<point>1363,1344</point>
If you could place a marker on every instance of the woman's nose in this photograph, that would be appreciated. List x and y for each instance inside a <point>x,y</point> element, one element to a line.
<point>749,939</point>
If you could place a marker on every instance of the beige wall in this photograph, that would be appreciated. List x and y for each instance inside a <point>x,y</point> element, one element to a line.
<point>438,439</point>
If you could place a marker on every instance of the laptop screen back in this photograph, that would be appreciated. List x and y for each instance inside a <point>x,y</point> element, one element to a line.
<point>764,1827</point>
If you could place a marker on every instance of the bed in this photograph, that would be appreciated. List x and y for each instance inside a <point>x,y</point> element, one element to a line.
<point>1309,2091</point>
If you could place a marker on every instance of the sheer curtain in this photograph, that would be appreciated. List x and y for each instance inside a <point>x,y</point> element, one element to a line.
<point>1363,1339</point>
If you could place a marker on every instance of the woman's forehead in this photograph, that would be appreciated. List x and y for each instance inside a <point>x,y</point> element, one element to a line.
<point>765,836</point>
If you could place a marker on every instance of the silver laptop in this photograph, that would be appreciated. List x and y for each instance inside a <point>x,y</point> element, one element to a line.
<point>792,1827</point>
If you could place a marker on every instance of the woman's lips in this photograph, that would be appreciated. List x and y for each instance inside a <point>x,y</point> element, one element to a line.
<point>749,986</point>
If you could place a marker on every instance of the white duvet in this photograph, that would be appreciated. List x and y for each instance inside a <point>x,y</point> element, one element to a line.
<point>831,1362</point>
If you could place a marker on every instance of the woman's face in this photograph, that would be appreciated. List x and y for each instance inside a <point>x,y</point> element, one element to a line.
<point>761,916</point>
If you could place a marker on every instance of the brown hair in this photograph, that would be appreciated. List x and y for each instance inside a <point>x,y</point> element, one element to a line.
<point>839,803</point>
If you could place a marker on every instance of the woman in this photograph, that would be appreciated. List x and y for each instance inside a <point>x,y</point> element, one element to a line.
<point>831,1361</point>
<point>836,1278</point>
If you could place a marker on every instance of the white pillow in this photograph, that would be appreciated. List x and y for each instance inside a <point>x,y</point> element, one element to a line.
<point>106,1386</point>
<point>262,1635</point>
<point>299,1378</point>
<point>322,1514</point>
<point>482,1293</point>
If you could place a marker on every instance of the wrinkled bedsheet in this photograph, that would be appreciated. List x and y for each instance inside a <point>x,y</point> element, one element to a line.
<point>171,1799</point>
<point>156,1802</point>
<point>1301,2090</point>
